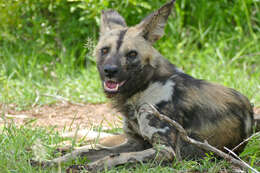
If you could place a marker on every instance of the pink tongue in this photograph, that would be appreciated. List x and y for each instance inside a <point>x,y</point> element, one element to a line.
<point>111,84</point>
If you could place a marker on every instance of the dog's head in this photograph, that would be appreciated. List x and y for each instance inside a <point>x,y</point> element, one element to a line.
<point>125,55</point>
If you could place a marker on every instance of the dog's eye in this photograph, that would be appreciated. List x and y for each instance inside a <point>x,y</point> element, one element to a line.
<point>104,50</point>
<point>131,54</point>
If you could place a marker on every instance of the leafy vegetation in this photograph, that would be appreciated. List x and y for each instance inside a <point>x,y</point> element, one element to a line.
<point>46,46</point>
<point>46,49</point>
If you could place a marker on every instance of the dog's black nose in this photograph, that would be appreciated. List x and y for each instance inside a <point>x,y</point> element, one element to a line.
<point>110,70</point>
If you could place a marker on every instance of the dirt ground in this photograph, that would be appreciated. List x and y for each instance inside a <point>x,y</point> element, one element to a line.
<point>72,116</point>
<point>60,115</point>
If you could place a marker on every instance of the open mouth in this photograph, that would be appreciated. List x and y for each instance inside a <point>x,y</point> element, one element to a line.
<point>112,86</point>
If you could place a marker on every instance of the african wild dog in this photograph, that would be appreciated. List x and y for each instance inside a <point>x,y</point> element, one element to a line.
<point>133,73</point>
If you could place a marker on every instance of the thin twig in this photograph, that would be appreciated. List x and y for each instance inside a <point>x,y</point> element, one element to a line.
<point>202,145</point>
<point>255,134</point>
<point>234,154</point>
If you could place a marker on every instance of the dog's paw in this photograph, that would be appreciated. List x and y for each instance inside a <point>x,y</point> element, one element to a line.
<point>77,169</point>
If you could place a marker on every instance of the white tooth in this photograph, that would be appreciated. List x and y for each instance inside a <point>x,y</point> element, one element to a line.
<point>116,87</point>
<point>109,89</point>
<point>121,83</point>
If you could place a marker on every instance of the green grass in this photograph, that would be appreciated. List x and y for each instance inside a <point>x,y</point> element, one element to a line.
<point>50,54</point>
<point>17,143</point>
<point>26,78</point>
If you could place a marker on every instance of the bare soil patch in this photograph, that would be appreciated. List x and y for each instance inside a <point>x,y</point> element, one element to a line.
<point>66,115</point>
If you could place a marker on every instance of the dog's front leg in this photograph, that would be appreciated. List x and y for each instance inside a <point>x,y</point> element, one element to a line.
<point>156,132</point>
<point>131,144</point>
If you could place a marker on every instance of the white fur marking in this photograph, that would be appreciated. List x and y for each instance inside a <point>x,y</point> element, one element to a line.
<point>154,94</point>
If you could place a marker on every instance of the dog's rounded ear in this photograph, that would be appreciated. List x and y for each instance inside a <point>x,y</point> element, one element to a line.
<point>111,19</point>
<point>152,27</point>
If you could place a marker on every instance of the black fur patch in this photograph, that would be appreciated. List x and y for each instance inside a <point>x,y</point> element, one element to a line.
<point>116,21</point>
<point>162,104</point>
<point>120,39</point>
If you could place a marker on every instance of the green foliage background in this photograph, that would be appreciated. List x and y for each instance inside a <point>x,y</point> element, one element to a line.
<point>53,25</point>
<point>46,45</point>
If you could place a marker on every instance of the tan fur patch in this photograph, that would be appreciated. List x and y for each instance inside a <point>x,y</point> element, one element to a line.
<point>148,54</point>
<point>216,96</point>
<point>221,133</point>
<point>113,140</point>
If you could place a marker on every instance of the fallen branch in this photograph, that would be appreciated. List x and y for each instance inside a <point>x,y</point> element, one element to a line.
<point>202,145</point>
